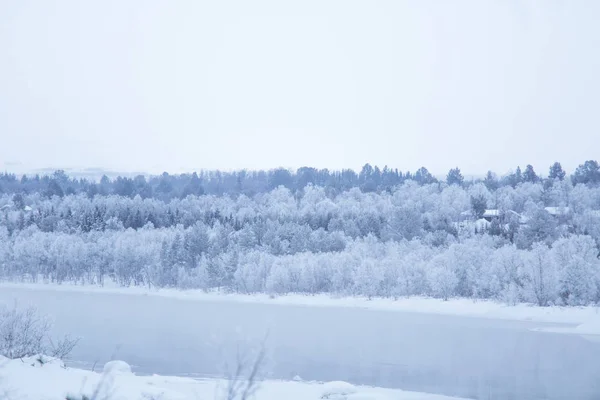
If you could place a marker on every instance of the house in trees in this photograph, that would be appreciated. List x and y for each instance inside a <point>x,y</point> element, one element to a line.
<point>10,207</point>
<point>491,221</point>
<point>494,214</point>
<point>491,214</point>
<point>557,211</point>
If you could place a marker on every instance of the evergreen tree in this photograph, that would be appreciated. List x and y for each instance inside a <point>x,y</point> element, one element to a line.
<point>165,185</point>
<point>305,176</point>
<point>491,181</point>
<point>424,177</point>
<point>92,190</point>
<point>124,187</point>
<point>556,172</point>
<point>455,177</point>
<point>280,177</point>
<point>194,187</point>
<point>18,201</point>
<point>515,178</point>
<point>478,206</point>
<point>141,187</point>
<point>367,179</point>
<point>587,173</point>
<point>518,176</point>
<point>529,175</point>
<point>54,189</point>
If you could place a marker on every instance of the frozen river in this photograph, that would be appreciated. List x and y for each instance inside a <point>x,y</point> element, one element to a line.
<point>470,357</point>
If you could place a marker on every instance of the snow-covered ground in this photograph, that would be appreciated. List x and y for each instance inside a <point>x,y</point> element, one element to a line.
<point>588,316</point>
<point>29,379</point>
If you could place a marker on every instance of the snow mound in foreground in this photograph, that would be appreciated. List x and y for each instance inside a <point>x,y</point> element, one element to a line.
<point>28,381</point>
<point>337,390</point>
<point>117,367</point>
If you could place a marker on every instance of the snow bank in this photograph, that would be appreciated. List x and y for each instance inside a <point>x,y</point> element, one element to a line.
<point>591,327</point>
<point>458,307</point>
<point>23,380</point>
<point>117,367</point>
<point>42,360</point>
<point>338,390</point>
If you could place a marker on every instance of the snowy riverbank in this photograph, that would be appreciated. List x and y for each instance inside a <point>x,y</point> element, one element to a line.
<point>589,315</point>
<point>28,379</point>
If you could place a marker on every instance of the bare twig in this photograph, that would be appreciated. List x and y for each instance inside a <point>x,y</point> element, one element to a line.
<point>243,383</point>
<point>63,347</point>
<point>24,332</point>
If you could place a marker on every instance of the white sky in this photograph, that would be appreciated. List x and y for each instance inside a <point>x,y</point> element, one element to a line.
<point>152,85</point>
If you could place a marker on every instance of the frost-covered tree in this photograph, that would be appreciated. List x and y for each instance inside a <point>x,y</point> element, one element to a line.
<point>442,278</point>
<point>405,223</point>
<point>542,285</point>
<point>540,227</point>
<point>508,267</point>
<point>578,266</point>
<point>368,278</point>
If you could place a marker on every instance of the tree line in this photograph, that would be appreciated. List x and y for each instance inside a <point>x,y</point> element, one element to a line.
<point>249,183</point>
<point>409,239</point>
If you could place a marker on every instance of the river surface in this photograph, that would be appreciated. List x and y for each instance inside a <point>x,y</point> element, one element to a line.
<point>461,356</point>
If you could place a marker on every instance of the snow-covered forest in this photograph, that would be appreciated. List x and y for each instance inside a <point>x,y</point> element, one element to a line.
<point>515,238</point>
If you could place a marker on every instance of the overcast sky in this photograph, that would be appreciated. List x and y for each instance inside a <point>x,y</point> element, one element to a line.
<point>155,85</point>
